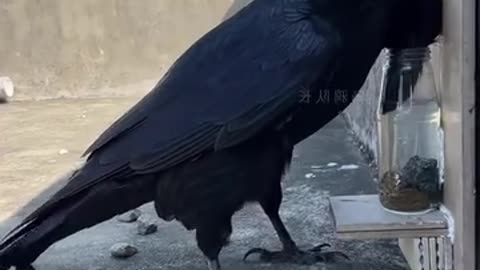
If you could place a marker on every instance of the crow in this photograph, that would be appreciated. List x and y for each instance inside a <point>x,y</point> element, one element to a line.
<point>218,130</point>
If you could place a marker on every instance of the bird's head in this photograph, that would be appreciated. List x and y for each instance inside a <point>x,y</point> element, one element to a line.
<point>409,23</point>
<point>414,23</point>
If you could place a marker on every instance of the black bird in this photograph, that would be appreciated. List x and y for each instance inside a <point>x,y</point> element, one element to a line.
<point>218,130</point>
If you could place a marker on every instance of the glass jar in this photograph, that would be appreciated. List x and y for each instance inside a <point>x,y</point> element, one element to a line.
<point>410,145</point>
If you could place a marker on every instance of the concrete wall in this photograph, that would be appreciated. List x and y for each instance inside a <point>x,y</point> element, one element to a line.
<point>54,48</point>
<point>361,114</point>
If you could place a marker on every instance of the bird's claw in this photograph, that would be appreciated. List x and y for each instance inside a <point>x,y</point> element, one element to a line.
<point>312,256</point>
<point>330,256</point>
<point>319,247</point>
<point>264,254</point>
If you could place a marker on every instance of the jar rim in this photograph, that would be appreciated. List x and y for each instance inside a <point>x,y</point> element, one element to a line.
<point>408,54</point>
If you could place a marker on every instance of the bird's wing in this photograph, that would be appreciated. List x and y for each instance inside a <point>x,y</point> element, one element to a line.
<point>230,85</point>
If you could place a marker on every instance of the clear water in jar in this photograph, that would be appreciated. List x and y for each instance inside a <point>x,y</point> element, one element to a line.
<point>416,131</point>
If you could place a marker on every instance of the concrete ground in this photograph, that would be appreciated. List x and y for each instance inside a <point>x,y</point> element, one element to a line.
<point>41,140</point>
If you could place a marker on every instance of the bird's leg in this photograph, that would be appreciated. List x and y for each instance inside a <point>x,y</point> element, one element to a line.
<point>212,237</point>
<point>290,253</point>
<point>214,265</point>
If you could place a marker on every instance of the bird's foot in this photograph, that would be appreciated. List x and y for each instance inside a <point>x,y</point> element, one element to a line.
<point>297,256</point>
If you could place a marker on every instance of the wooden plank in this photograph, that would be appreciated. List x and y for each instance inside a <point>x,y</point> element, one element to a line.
<point>405,234</point>
<point>362,216</point>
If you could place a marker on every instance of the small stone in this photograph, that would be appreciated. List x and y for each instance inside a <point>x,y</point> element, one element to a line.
<point>63,151</point>
<point>332,164</point>
<point>130,216</point>
<point>6,89</point>
<point>310,175</point>
<point>146,225</point>
<point>349,167</point>
<point>422,173</point>
<point>123,250</point>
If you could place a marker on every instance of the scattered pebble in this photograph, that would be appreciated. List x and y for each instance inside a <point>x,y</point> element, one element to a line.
<point>310,175</point>
<point>123,250</point>
<point>146,225</point>
<point>316,166</point>
<point>321,170</point>
<point>130,216</point>
<point>349,167</point>
<point>63,151</point>
<point>6,89</point>
<point>332,164</point>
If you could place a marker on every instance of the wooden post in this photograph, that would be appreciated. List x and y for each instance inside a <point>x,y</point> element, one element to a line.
<point>458,99</point>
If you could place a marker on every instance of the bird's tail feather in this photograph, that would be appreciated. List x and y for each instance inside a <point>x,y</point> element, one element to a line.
<point>11,241</point>
<point>50,224</point>
<point>23,246</point>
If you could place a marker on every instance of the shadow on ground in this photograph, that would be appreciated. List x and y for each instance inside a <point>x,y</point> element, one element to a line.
<point>33,151</point>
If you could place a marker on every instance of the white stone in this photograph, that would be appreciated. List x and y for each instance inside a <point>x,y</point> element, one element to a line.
<point>6,88</point>
<point>123,250</point>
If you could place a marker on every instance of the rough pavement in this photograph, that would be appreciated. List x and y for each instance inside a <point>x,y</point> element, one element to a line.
<point>33,135</point>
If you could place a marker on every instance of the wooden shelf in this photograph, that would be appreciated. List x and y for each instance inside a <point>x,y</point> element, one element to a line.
<point>363,217</point>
